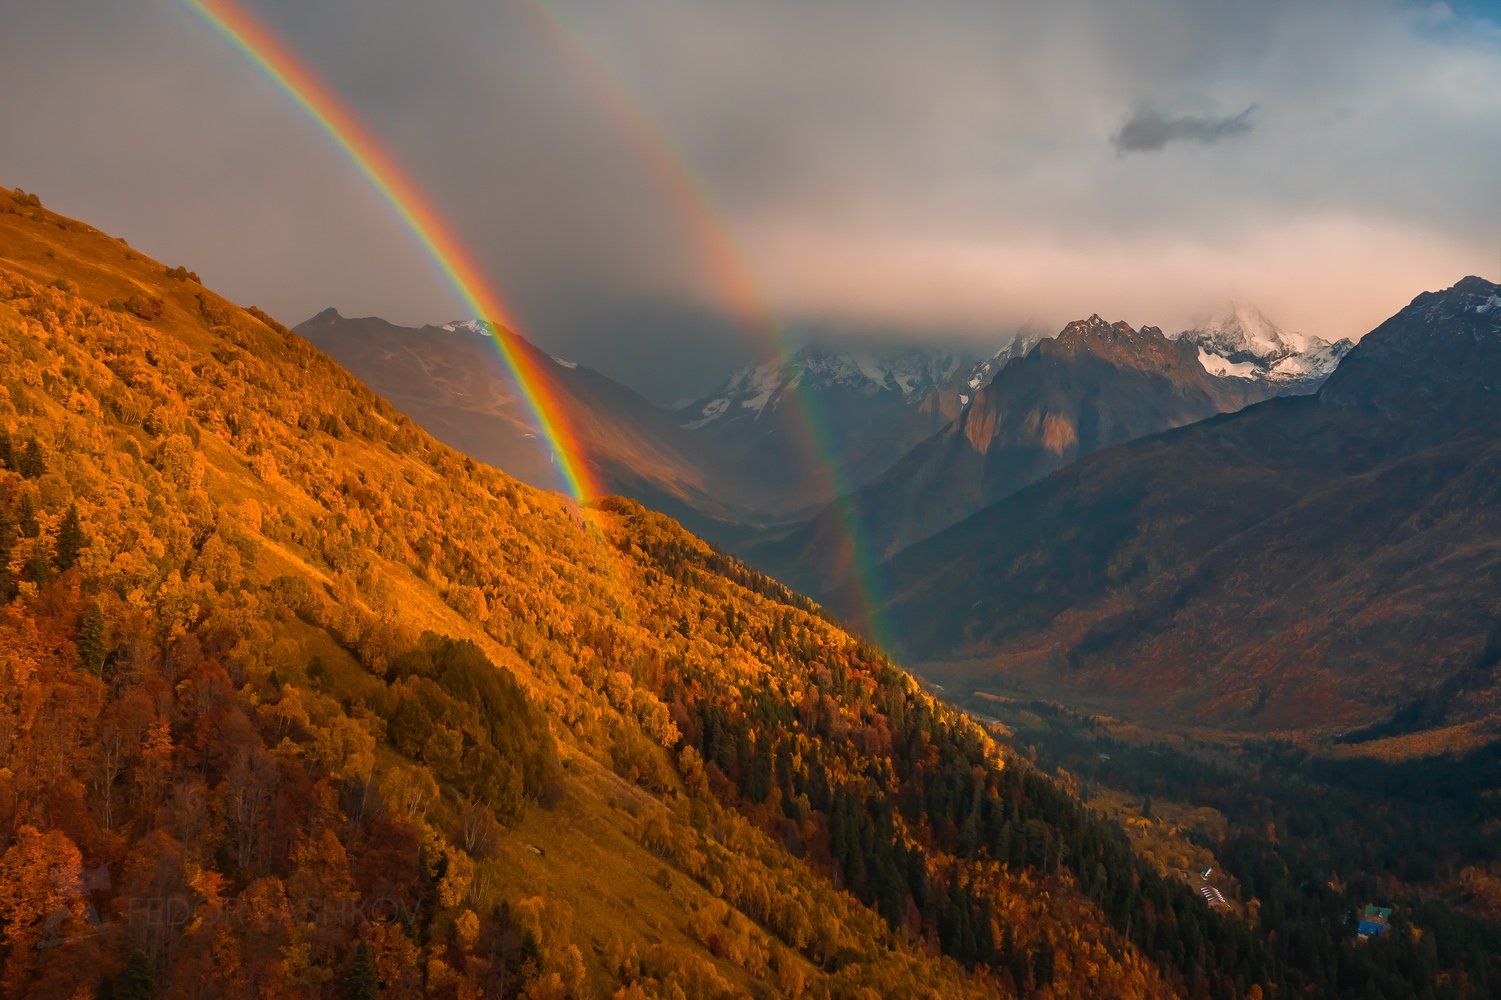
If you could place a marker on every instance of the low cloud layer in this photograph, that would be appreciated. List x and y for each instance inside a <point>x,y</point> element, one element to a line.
<point>1148,130</point>
<point>944,169</point>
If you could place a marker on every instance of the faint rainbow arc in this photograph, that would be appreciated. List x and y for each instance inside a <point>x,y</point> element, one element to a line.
<point>282,66</point>
<point>692,200</point>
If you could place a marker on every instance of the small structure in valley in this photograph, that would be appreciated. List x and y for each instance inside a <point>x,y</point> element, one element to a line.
<point>1373,921</point>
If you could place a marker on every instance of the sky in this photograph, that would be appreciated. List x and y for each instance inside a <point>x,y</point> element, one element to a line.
<point>936,171</point>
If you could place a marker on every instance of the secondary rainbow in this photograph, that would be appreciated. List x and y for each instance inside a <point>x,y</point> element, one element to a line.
<point>730,268</point>
<point>282,66</point>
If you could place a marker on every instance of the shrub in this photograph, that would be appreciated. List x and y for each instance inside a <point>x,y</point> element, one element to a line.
<point>147,307</point>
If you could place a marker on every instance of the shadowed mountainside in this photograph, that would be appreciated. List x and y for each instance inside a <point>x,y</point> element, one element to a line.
<point>1328,561</point>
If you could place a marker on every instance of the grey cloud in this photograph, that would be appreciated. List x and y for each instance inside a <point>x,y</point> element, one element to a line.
<point>935,168</point>
<point>1149,130</point>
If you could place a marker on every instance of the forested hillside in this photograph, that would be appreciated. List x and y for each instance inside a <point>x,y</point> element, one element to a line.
<point>299,701</point>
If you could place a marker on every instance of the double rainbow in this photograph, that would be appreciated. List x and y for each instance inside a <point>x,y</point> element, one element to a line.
<point>690,197</point>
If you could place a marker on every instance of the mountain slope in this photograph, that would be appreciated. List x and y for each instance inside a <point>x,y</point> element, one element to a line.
<point>949,398</point>
<point>1329,561</point>
<point>367,714</point>
<point>452,381</point>
<point>1094,385</point>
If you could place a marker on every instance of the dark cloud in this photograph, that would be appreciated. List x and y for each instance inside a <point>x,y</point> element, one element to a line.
<point>1149,130</point>
<point>931,168</point>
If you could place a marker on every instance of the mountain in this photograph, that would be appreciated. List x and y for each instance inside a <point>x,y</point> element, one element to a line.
<point>949,399</point>
<point>725,465</point>
<point>790,420</point>
<point>452,380</point>
<point>1094,385</point>
<point>300,701</point>
<point>1241,342</point>
<point>1322,562</point>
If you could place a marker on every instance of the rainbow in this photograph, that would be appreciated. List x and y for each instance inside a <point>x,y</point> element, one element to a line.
<point>282,65</point>
<point>690,198</point>
<point>733,274</point>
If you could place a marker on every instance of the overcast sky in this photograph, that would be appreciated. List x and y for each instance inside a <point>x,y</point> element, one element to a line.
<point>925,170</point>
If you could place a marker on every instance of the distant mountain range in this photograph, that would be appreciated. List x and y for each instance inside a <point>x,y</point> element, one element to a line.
<point>757,449</point>
<point>909,439</point>
<point>823,419</point>
<point>1328,561</point>
<point>1034,410</point>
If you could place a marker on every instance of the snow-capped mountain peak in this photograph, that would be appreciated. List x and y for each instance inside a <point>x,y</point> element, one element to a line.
<point>1243,329</point>
<point>1240,341</point>
<point>982,372</point>
<point>907,373</point>
<point>479,327</point>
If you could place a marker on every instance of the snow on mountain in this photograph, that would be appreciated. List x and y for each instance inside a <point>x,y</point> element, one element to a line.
<point>484,328</point>
<point>476,326</point>
<point>907,373</point>
<point>1241,342</point>
<point>981,374</point>
<point>959,390</point>
<point>1216,364</point>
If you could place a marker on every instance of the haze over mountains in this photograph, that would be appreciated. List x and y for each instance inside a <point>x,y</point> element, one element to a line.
<point>743,454</point>
<point>850,413</point>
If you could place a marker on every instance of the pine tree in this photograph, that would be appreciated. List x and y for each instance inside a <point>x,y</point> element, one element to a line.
<point>137,981</point>
<point>39,566</point>
<point>31,464</point>
<point>71,540</point>
<point>1042,963</point>
<point>7,549</point>
<point>360,982</point>
<point>92,640</point>
<point>26,517</point>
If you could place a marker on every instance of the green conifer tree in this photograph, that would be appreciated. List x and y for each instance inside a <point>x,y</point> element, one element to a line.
<point>360,982</point>
<point>31,463</point>
<point>71,540</point>
<point>93,641</point>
